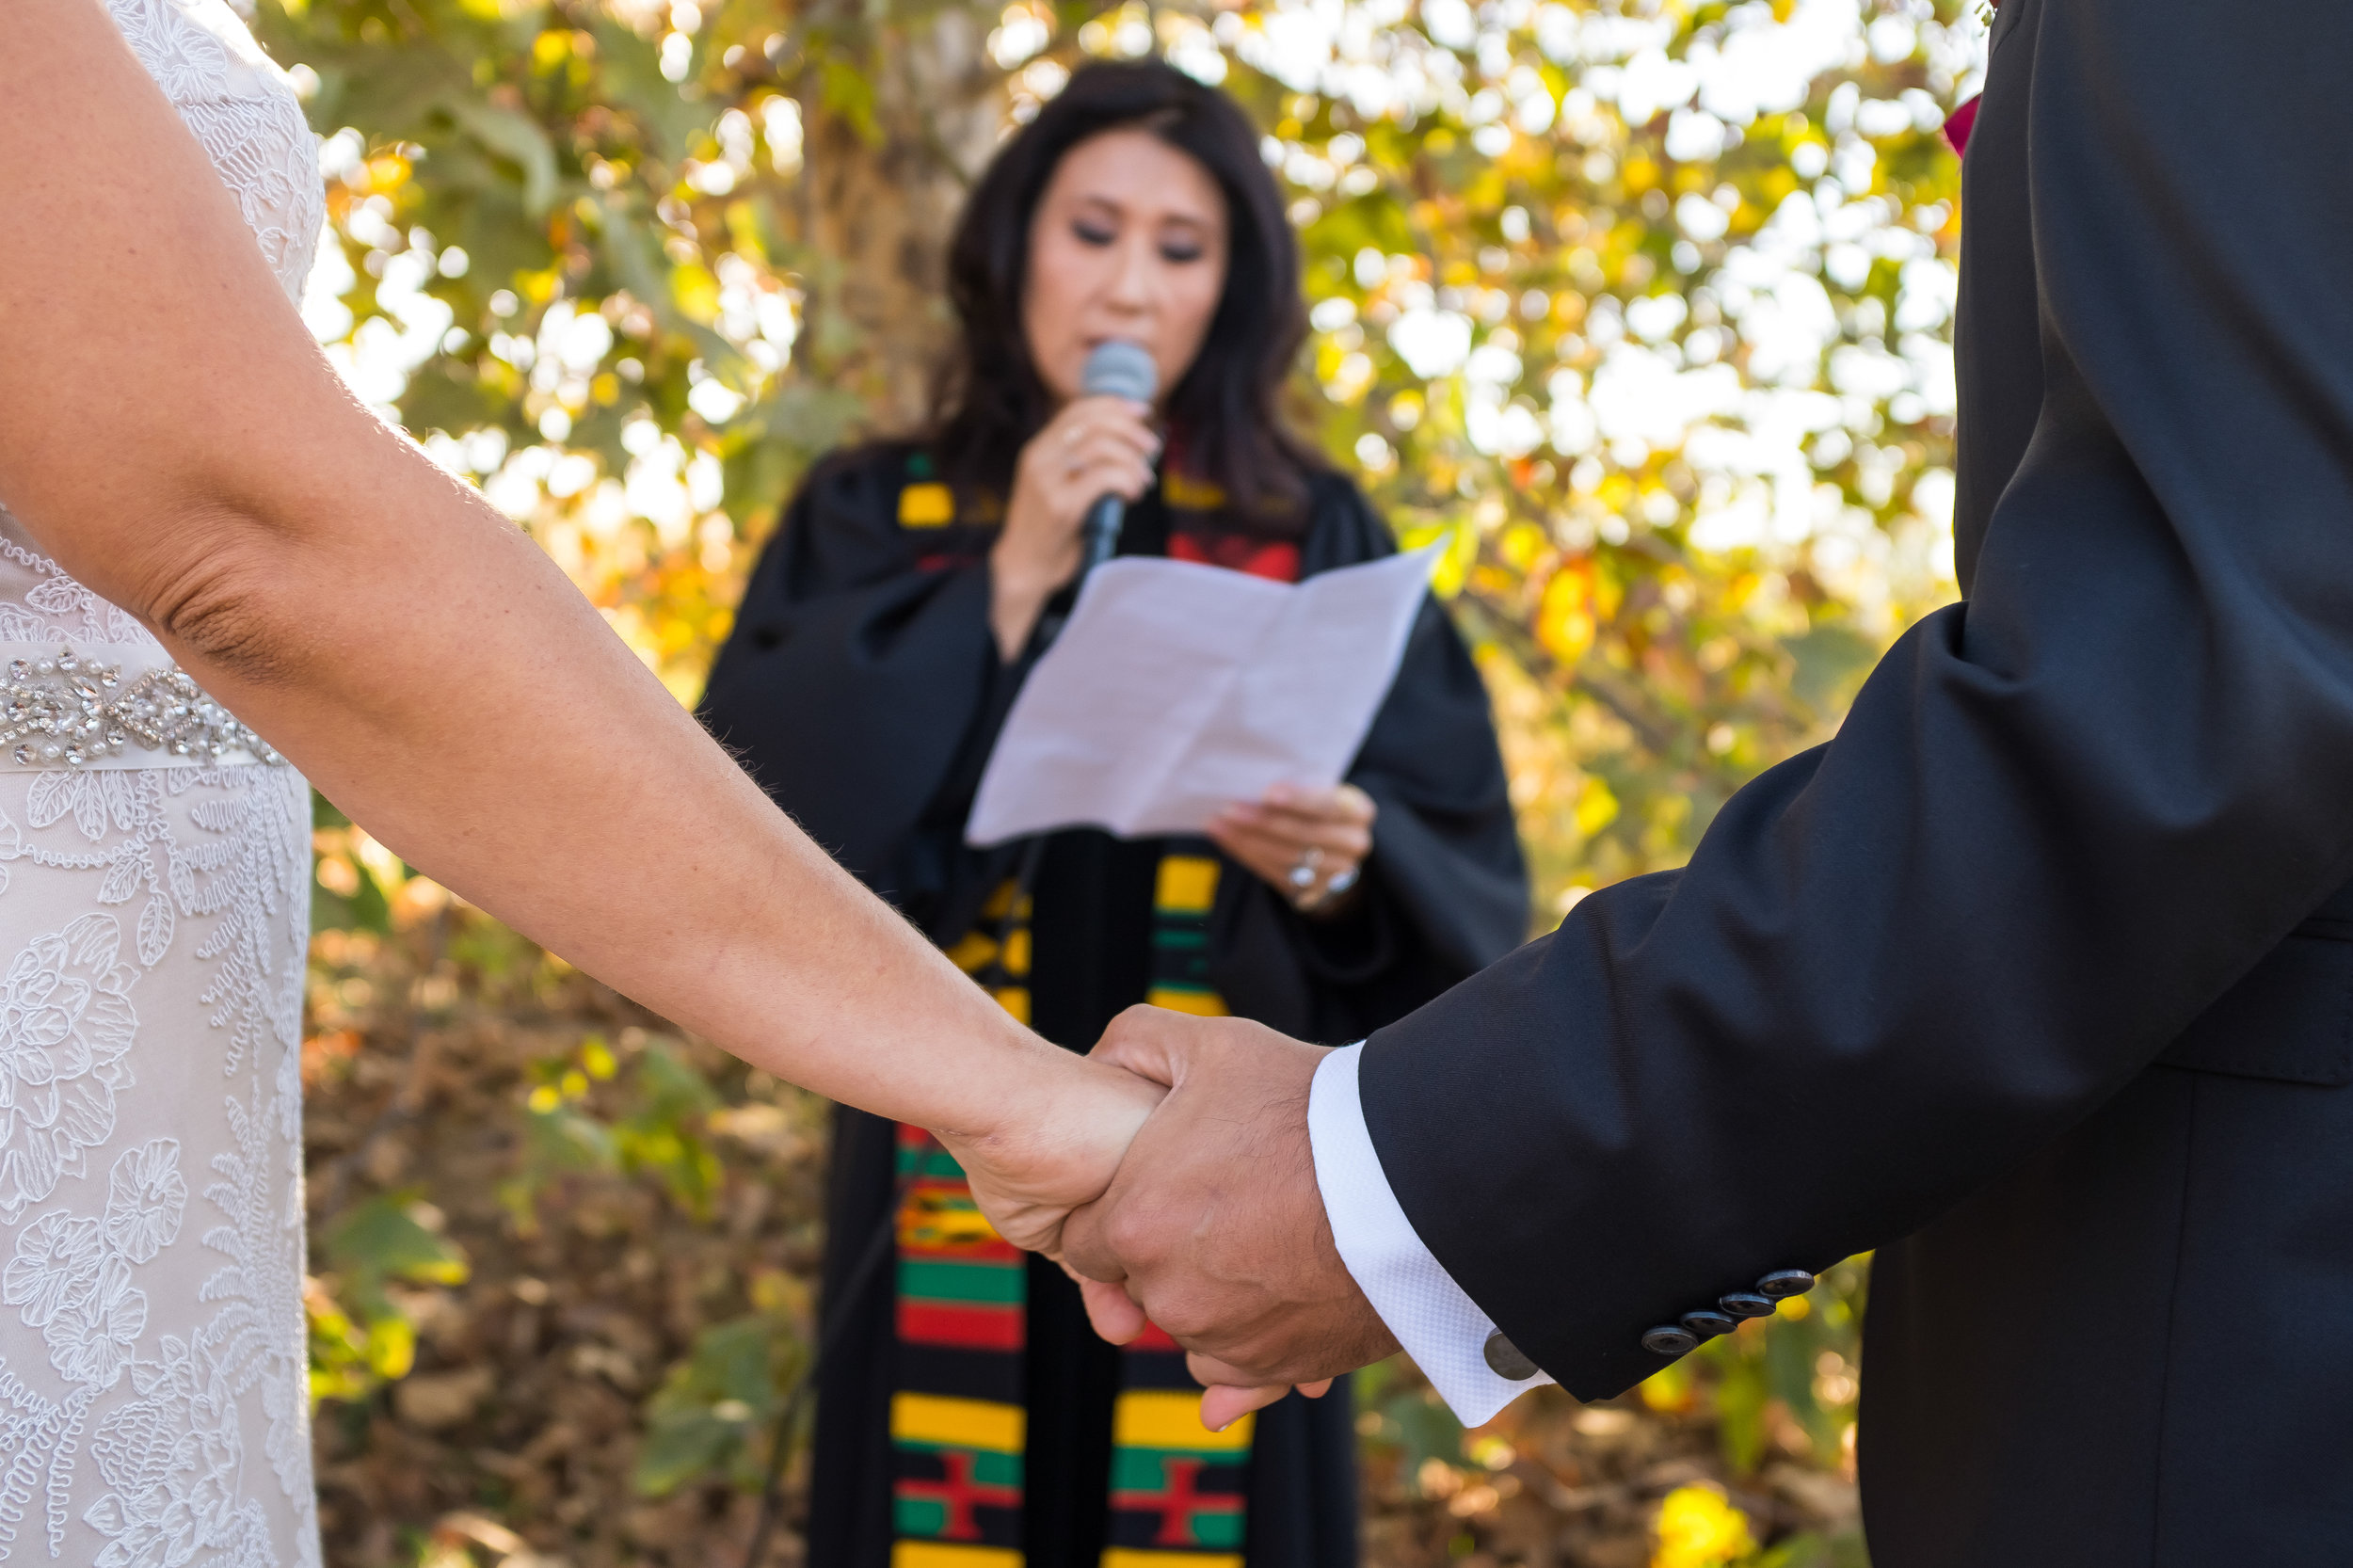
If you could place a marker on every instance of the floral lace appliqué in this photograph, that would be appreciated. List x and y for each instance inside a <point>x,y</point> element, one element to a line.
<point>179,1395</point>
<point>66,1024</point>
<point>246,116</point>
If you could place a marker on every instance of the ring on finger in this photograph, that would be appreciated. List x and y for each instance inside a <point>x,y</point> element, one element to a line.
<point>1302,874</point>
<point>1310,899</point>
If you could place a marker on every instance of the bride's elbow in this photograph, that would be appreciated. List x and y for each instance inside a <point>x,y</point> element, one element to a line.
<point>222,596</point>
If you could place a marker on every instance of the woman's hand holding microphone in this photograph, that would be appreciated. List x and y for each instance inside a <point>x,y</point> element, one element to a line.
<point>1097,446</point>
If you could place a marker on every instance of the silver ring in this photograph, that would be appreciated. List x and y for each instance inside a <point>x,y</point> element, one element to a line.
<point>1311,901</point>
<point>1303,875</point>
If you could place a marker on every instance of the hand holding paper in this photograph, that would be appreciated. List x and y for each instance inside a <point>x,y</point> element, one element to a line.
<point>1177,688</point>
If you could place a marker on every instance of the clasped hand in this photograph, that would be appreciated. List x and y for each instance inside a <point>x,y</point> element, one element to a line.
<point>1213,1226</point>
<point>1173,1178</point>
<point>1170,1172</point>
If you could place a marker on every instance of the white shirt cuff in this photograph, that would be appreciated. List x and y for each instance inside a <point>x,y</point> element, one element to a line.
<point>1440,1327</point>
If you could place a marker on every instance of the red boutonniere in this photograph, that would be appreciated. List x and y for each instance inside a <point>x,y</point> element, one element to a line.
<point>1959,123</point>
<point>1964,120</point>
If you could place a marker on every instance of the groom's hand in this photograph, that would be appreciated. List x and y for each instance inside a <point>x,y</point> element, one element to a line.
<point>1214,1223</point>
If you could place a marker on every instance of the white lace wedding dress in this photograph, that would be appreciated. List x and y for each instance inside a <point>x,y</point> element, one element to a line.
<point>153,912</point>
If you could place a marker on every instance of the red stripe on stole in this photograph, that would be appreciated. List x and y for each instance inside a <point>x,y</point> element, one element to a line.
<point>1274,559</point>
<point>1154,1337</point>
<point>979,1328</point>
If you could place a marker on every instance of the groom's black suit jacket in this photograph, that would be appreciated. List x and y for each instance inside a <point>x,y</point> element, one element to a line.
<point>2038,978</point>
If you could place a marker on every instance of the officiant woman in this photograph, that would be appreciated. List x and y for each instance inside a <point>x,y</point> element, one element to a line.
<point>885,633</point>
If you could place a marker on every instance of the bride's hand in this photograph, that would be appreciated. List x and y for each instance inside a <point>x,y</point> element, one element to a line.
<point>1054,1148</point>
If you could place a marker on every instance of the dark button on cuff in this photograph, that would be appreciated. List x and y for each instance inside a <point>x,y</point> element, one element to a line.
<point>1785,1282</point>
<point>1708,1325</point>
<point>1664,1341</point>
<point>1746,1303</point>
<point>1507,1360</point>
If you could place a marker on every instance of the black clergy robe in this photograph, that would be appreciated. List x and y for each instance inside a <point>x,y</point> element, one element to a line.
<point>862,687</point>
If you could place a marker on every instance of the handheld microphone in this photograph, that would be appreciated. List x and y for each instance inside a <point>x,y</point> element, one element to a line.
<point>1114,368</point>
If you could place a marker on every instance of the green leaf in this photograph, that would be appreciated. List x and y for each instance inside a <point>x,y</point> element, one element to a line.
<point>383,1239</point>
<point>516,136</point>
<point>714,1409</point>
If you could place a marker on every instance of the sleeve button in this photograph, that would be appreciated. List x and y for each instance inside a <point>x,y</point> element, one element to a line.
<point>1785,1282</point>
<point>1746,1303</point>
<point>1507,1360</point>
<point>1707,1323</point>
<point>1669,1340</point>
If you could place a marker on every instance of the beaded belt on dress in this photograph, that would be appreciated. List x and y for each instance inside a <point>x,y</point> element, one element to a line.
<point>64,707</point>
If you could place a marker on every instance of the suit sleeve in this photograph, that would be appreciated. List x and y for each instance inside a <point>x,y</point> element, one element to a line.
<point>2060,820</point>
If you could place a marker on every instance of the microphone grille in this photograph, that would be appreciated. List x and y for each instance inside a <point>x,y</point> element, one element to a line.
<point>1116,368</point>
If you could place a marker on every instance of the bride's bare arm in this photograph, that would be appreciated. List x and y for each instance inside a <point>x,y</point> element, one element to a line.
<point>171,434</point>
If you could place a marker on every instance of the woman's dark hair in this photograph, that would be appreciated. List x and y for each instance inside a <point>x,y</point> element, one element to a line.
<point>1225,415</point>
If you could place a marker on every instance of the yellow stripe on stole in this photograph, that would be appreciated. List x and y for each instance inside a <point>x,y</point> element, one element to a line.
<point>1002,900</point>
<point>1171,1419</point>
<point>944,1554</point>
<point>972,952</point>
<point>926,506</point>
<point>1187,494</point>
<point>1187,885</point>
<point>933,1221</point>
<point>1201,1004</point>
<point>1133,1556</point>
<point>965,1423</point>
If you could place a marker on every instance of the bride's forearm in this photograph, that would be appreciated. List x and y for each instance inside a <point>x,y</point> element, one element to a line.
<point>448,688</point>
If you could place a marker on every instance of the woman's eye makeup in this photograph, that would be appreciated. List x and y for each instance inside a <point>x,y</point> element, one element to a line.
<point>1098,234</point>
<point>1180,251</point>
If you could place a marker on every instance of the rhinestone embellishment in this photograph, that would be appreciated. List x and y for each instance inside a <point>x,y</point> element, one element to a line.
<point>67,711</point>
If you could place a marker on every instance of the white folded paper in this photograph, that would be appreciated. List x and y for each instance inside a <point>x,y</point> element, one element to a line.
<point>1178,688</point>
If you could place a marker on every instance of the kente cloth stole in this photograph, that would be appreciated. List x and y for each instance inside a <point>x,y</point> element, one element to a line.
<point>957,1419</point>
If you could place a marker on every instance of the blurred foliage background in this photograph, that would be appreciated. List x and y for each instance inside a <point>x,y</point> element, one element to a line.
<point>1641,307</point>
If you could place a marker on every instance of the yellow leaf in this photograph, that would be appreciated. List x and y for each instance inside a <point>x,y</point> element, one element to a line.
<point>1522,545</point>
<point>391,1346</point>
<point>1698,1528</point>
<point>1668,1389</point>
<point>1564,621</point>
<point>697,292</point>
<point>1596,807</point>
